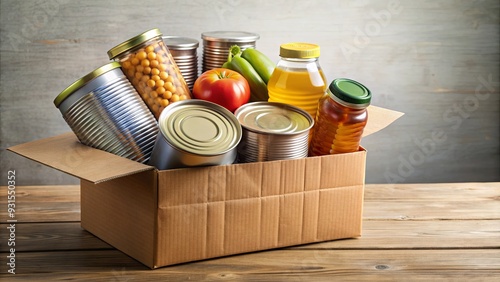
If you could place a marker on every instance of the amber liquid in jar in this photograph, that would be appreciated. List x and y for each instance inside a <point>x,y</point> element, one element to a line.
<point>339,124</point>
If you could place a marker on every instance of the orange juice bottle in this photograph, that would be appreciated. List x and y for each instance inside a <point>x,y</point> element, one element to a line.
<point>341,118</point>
<point>298,79</point>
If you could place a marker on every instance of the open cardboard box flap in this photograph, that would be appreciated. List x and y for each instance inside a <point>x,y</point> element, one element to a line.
<point>65,153</point>
<point>379,118</point>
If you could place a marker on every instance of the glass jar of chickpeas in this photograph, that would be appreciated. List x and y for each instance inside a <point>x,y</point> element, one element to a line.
<point>148,64</point>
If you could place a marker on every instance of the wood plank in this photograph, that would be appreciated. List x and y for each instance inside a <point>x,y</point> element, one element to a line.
<point>44,193</point>
<point>45,212</point>
<point>51,203</point>
<point>376,235</point>
<point>411,235</point>
<point>51,237</point>
<point>382,202</point>
<point>447,191</point>
<point>278,265</point>
<point>472,191</point>
<point>440,201</point>
<point>431,210</point>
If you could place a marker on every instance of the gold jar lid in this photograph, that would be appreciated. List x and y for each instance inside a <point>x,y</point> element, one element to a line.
<point>133,42</point>
<point>299,50</point>
<point>84,80</point>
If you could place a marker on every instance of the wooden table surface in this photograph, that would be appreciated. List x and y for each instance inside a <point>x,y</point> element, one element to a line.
<point>410,232</point>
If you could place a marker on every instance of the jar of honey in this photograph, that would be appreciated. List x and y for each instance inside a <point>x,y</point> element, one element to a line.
<point>298,79</point>
<point>341,118</point>
<point>150,67</point>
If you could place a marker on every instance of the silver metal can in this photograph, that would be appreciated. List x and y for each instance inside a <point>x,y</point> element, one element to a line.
<point>195,133</point>
<point>273,131</point>
<point>105,112</point>
<point>184,50</point>
<point>216,46</point>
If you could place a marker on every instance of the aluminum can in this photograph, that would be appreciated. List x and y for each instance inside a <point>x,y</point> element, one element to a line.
<point>273,131</point>
<point>195,133</point>
<point>105,112</point>
<point>216,45</point>
<point>184,51</point>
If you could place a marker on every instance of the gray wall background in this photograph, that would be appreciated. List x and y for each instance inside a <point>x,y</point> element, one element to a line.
<point>436,61</point>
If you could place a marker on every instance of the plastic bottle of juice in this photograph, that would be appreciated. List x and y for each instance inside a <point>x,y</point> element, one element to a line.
<point>341,118</point>
<point>298,79</point>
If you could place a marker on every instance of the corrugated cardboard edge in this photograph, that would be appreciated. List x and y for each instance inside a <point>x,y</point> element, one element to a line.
<point>65,153</point>
<point>123,213</point>
<point>220,211</point>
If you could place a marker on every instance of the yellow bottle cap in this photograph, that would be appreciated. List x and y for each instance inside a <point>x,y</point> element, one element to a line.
<point>299,50</point>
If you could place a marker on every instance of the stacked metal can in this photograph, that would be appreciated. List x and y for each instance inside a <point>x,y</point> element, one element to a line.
<point>184,51</point>
<point>273,131</point>
<point>216,46</point>
<point>196,133</point>
<point>105,111</point>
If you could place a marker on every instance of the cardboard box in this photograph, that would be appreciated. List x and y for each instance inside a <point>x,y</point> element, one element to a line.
<point>168,217</point>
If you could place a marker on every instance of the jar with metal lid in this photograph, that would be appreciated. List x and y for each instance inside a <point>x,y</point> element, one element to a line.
<point>216,46</point>
<point>105,112</point>
<point>148,64</point>
<point>341,118</point>
<point>298,79</point>
<point>184,50</point>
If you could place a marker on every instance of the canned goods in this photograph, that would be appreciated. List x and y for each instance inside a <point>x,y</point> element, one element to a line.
<point>196,133</point>
<point>184,50</point>
<point>105,112</point>
<point>216,46</point>
<point>273,131</point>
<point>149,66</point>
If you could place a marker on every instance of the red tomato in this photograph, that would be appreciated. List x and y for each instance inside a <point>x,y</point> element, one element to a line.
<point>222,86</point>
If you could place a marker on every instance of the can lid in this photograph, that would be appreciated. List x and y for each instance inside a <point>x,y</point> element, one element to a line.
<point>350,91</point>
<point>84,80</point>
<point>180,43</point>
<point>230,36</point>
<point>274,118</point>
<point>133,42</point>
<point>200,127</point>
<point>299,50</point>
